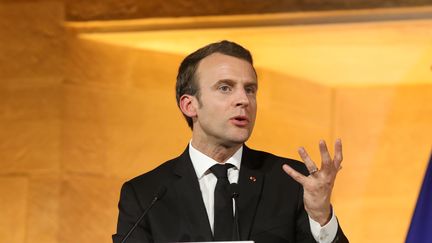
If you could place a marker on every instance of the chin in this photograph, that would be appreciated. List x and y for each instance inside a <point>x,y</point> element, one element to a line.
<point>240,138</point>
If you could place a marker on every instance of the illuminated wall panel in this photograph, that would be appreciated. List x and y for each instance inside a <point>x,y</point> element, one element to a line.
<point>289,116</point>
<point>119,113</point>
<point>387,137</point>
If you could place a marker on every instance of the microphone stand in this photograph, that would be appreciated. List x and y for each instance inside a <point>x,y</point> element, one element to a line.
<point>159,194</point>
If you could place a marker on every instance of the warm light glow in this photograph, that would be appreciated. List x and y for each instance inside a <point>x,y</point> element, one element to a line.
<point>350,54</point>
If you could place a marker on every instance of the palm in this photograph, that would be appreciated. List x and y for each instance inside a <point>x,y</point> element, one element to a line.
<point>319,184</point>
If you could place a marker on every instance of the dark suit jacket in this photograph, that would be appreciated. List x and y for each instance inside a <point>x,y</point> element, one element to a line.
<point>270,203</point>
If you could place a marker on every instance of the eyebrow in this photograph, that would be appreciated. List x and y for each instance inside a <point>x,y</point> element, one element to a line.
<point>232,83</point>
<point>225,81</point>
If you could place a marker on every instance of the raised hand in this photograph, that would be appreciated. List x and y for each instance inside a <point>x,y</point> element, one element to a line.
<point>319,184</point>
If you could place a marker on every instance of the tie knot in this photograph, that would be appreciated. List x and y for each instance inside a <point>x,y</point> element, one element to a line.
<point>221,170</point>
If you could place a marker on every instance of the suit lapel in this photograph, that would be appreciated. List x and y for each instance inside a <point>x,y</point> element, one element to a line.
<point>251,180</point>
<point>190,199</point>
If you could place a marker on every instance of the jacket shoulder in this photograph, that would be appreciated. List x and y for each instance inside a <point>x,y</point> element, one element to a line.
<point>269,161</point>
<point>155,176</point>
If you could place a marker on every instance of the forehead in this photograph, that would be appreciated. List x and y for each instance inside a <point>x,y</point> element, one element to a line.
<point>219,66</point>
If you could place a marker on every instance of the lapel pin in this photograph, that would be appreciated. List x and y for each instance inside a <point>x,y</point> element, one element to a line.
<point>252,178</point>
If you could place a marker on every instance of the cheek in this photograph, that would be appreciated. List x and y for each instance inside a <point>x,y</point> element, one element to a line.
<point>208,115</point>
<point>253,105</point>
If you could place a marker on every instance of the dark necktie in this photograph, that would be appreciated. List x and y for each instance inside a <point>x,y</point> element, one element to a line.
<point>223,207</point>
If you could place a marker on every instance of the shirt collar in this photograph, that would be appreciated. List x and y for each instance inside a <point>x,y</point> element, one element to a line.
<point>202,162</point>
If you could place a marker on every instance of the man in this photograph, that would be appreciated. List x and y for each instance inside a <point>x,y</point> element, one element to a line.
<point>279,199</point>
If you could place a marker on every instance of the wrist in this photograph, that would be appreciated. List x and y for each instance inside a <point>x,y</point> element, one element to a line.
<point>322,217</point>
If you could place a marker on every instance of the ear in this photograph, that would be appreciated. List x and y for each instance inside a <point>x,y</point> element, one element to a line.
<point>187,105</point>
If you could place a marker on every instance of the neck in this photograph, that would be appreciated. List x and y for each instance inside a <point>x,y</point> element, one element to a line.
<point>218,152</point>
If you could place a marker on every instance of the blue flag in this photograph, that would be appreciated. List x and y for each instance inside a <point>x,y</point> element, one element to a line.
<point>420,230</point>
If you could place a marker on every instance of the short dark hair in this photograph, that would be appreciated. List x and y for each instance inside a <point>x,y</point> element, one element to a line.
<point>186,78</point>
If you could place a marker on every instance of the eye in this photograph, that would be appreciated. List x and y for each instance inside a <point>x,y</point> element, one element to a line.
<point>224,88</point>
<point>250,90</point>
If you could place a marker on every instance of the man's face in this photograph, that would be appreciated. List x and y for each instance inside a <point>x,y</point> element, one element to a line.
<point>226,112</point>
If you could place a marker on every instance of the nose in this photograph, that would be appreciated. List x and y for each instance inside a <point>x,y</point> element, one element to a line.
<point>242,98</point>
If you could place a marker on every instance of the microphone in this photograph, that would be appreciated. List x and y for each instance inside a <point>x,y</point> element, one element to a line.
<point>158,195</point>
<point>234,192</point>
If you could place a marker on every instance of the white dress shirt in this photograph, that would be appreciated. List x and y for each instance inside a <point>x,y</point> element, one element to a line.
<point>208,180</point>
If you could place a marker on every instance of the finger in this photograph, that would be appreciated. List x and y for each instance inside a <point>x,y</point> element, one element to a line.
<point>338,154</point>
<point>307,160</point>
<point>294,174</point>
<point>325,156</point>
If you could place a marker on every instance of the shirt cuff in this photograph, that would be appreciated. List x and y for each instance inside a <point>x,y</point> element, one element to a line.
<point>326,233</point>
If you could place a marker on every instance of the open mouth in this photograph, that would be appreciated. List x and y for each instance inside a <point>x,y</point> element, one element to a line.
<point>240,120</point>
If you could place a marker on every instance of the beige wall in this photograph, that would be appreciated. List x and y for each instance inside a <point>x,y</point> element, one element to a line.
<point>387,133</point>
<point>119,108</point>
<point>78,117</point>
<point>31,62</point>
